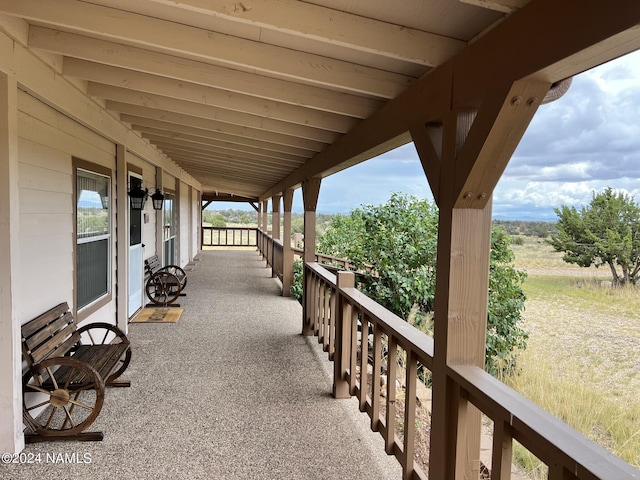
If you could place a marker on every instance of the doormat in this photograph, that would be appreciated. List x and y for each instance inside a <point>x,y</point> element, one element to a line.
<point>157,315</point>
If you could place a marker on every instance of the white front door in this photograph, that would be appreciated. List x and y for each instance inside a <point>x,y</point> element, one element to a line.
<point>136,274</point>
<point>135,278</point>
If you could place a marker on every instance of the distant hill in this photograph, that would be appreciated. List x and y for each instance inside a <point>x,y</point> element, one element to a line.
<point>528,228</point>
<point>247,218</point>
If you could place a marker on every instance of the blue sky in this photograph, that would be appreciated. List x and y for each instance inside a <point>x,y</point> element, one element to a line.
<point>587,140</point>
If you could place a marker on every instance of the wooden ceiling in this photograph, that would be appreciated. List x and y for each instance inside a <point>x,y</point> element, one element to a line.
<point>247,96</point>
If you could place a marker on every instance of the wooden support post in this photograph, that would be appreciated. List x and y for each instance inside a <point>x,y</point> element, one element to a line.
<point>265,215</point>
<point>463,158</point>
<point>287,261</point>
<point>275,217</point>
<point>310,193</point>
<point>122,242</point>
<point>342,352</point>
<point>11,437</point>
<point>265,206</point>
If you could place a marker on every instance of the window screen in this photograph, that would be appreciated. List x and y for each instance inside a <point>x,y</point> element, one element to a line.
<point>93,236</point>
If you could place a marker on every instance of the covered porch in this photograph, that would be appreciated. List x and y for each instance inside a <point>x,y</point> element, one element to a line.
<point>207,101</point>
<point>230,391</point>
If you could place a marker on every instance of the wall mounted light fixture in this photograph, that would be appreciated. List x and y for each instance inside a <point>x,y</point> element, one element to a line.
<point>157,199</point>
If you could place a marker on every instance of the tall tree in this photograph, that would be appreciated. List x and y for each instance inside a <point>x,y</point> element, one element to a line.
<point>605,232</point>
<point>399,240</point>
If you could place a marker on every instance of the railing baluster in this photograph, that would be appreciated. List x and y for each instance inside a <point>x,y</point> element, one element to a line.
<point>410,414</point>
<point>392,364</point>
<point>354,351</point>
<point>364,362</point>
<point>327,317</point>
<point>501,456</point>
<point>333,307</point>
<point>375,377</point>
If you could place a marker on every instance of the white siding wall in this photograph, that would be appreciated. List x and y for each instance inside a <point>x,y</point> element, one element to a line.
<point>47,142</point>
<point>168,182</point>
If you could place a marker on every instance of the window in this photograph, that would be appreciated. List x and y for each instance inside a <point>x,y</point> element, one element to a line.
<point>93,237</point>
<point>169,231</point>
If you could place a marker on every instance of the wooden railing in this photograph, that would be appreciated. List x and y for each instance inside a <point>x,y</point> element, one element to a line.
<point>272,251</point>
<point>366,341</point>
<point>330,262</point>
<point>229,236</point>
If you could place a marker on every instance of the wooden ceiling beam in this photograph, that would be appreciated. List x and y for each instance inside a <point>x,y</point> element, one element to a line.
<point>163,143</point>
<point>208,46</point>
<point>222,146</point>
<point>200,94</point>
<point>234,141</point>
<point>226,172</point>
<point>215,125</point>
<point>212,197</point>
<point>133,58</point>
<point>333,27</point>
<point>241,171</point>
<point>504,6</point>
<point>134,97</point>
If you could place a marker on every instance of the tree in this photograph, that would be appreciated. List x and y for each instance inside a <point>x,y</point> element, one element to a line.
<point>215,219</point>
<point>605,232</point>
<point>399,240</point>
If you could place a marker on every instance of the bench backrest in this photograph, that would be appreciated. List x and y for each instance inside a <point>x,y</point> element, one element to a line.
<point>152,265</point>
<point>52,334</point>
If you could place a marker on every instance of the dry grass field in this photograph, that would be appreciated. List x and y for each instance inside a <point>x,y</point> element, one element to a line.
<point>583,359</point>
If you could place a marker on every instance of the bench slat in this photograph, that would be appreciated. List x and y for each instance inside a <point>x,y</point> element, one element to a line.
<point>37,323</point>
<point>57,345</point>
<point>152,264</point>
<point>101,357</point>
<point>48,331</point>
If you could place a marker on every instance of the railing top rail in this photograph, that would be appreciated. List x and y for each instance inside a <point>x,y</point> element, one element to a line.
<point>322,272</point>
<point>211,227</point>
<point>407,336</point>
<point>544,435</point>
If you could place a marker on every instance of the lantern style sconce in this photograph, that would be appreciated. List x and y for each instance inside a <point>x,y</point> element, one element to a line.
<point>137,197</point>
<point>157,199</point>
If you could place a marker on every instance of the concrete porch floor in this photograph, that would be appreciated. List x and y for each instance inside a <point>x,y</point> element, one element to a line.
<point>232,391</point>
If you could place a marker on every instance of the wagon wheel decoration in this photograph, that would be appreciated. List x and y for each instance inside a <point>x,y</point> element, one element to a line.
<point>61,396</point>
<point>180,274</point>
<point>163,288</point>
<point>106,334</point>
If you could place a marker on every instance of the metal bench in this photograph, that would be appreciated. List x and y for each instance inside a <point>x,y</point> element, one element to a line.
<point>68,370</point>
<point>164,284</point>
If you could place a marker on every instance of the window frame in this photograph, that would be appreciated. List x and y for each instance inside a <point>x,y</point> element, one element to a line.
<point>86,310</point>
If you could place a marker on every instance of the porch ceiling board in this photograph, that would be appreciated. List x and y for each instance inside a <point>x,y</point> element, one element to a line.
<point>110,53</point>
<point>230,157</point>
<point>177,89</point>
<point>209,46</point>
<point>204,142</point>
<point>173,129</point>
<point>241,131</point>
<point>234,117</point>
<point>302,89</point>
